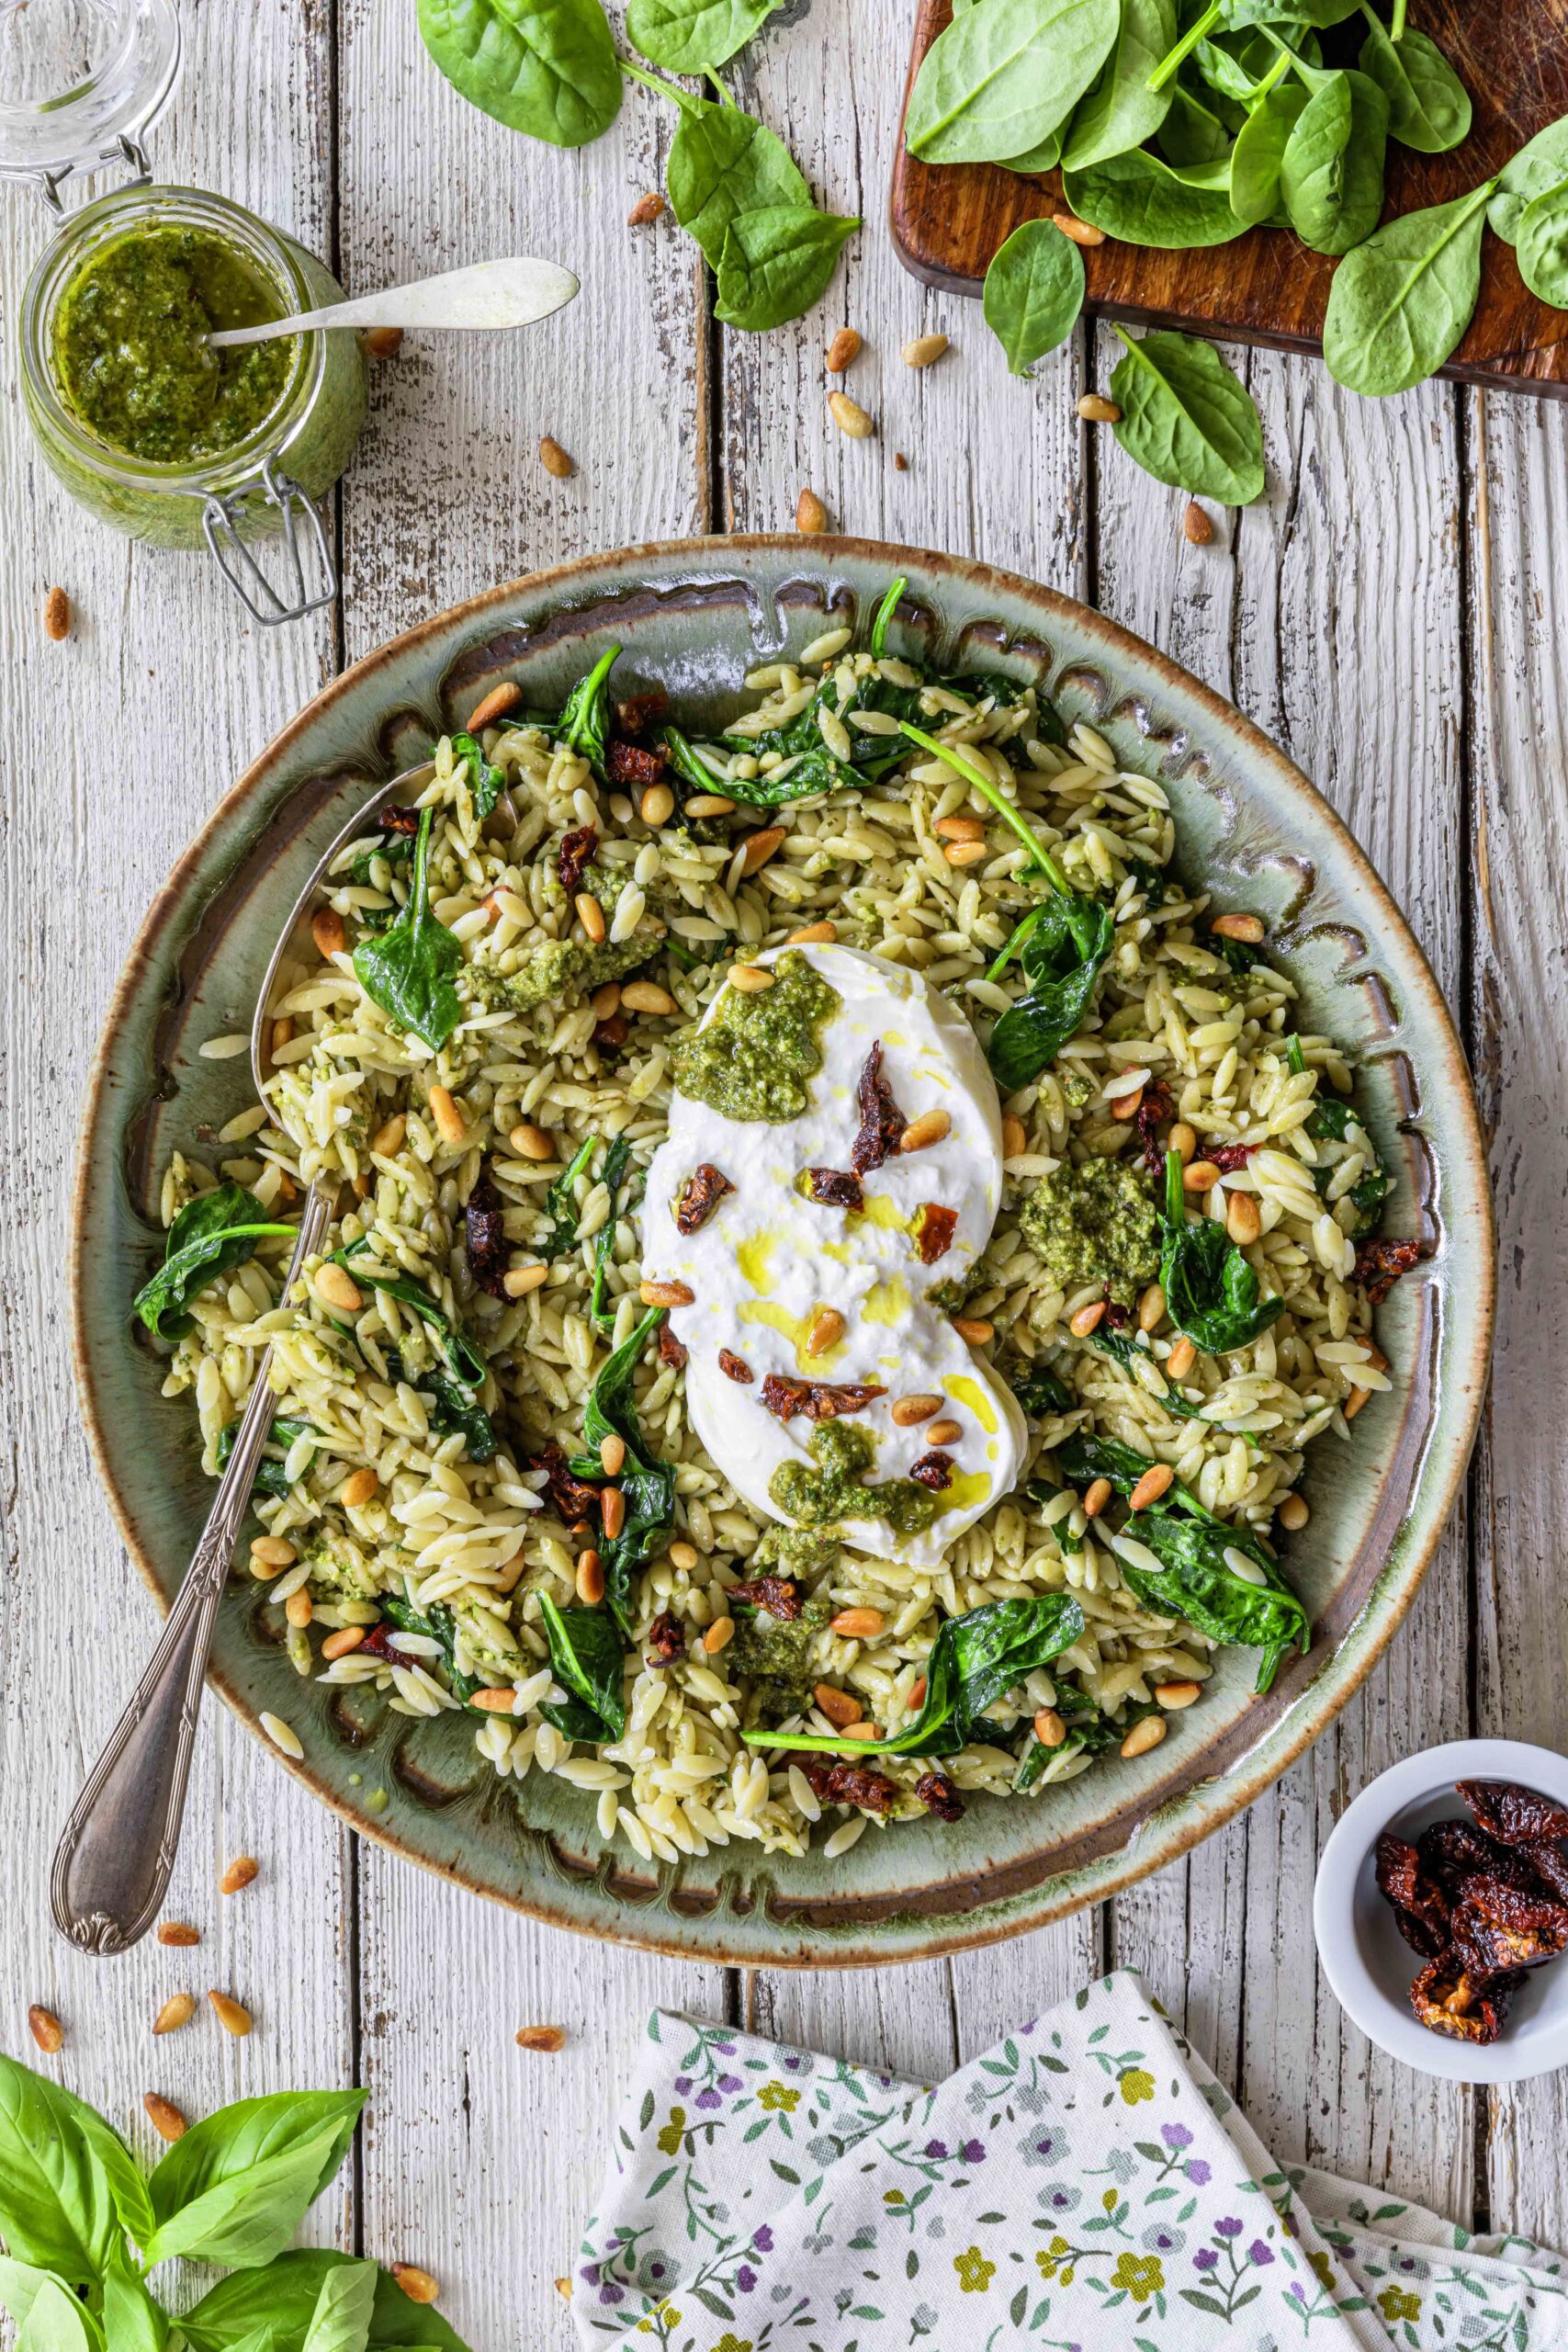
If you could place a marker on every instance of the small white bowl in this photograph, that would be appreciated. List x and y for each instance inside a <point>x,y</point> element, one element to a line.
<point>1366,1960</point>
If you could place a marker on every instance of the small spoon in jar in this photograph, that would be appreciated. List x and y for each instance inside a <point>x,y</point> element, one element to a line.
<point>512,292</point>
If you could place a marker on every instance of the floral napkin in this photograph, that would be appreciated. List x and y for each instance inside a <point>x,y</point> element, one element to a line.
<point>1085,2186</point>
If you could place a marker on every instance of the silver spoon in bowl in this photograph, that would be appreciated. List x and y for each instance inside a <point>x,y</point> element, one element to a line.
<point>512,292</point>
<point>117,1852</point>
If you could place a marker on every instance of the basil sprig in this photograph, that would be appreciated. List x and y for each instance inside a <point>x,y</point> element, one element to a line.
<point>1210,1292</point>
<point>210,1237</point>
<point>407,969</point>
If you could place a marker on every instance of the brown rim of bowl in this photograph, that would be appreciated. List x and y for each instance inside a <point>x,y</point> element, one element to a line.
<point>1160,1845</point>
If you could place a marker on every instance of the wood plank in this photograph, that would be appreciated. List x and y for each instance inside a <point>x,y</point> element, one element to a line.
<point>1519,787</point>
<point>121,740</point>
<point>1266,288</point>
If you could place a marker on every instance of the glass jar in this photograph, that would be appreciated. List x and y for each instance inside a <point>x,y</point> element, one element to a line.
<point>261,487</point>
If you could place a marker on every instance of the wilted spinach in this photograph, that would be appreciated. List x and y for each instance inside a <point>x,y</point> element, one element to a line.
<point>600,1312</point>
<point>560,1202</point>
<point>587,1657</point>
<point>462,1356</point>
<point>486,784</point>
<point>407,970</point>
<point>1083,1458</point>
<point>1194,1579</point>
<point>269,1474</point>
<point>647,1482</point>
<point>584,723</point>
<point>450,1404</point>
<point>1210,1292</point>
<point>435,1625</point>
<point>1330,1123</point>
<point>211,1236</point>
<point>1040,1393</point>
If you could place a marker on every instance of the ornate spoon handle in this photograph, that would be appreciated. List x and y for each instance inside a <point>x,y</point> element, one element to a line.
<point>112,1865</point>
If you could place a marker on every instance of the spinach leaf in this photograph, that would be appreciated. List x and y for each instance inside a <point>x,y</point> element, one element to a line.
<point>1119,111</point>
<point>1539,164</point>
<point>974,1661</point>
<point>1330,1123</point>
<point>1043,156</point>
<point>435,1625</point>
<point>1260,151</point>
<point>1196,131</point>
<point>647,1482</point>
<point>453,1341</point>
<point>211,1236</point>
<point>544,67</point>
<point>1428,106</point>
<point>1235,14</point>
<point>723,163</point>
<point>883,617</point>
<point>450,1404</point>
<point>1400,302</point>
<point>269,1474</point>
<point>586,1654</point>
<point>561,1201</point>
<point>1331,175</point>
<point>776,263</point>
<point>1000,78</point>
<point>1087,1731</point>
<point>600,1312</point>
<point>1210,1292</point>
<point>584,723</point>
<point>1187,420</point>
<point>408,969</point>
<point>1084,1458</point>
<point>1194,1578</point>
<point>486,784</point>
<point>1034,290</point>
<point>1040,1394</point>
<point>1146,202</point>
<point>1120,1348</point>
<point>684,762</point>
<point>235,2187</point>
<point>1541,246</point>
<point>690,36</point>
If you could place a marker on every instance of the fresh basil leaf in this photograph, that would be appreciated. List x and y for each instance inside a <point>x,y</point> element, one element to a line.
<point>341,2321</point>
<point>1000,78</point>
<point>690,36</point>
<point>544,67</point>
<point>1063,957</point>
<point>1539,164</point>
<point>1401,302</point>
<point>587,1657</point>
<point>1034,290</point>
<point>486,784</point>
<point>22,2284</point>
<point>132,2321</point>
<point>1187,420</point>
<point>211,1235</point>
<point>1541,246</point>
<point>1194,1580</point>
<point>722,163</point>
<point>67,2182</point>
<point>56,2321</point>
<point>1210,1292</point>
<point>1428,106</point>
<point>462,1356</point>
<point>1331,175</point>
<point>776,263</point>
<point>647,1482</point>
<point>1260,151</point>
<point>1146,202</point>
<point>278,2303</point>
<point>407,969</point>
<point>235,2187</point>
<point>1119,110</point>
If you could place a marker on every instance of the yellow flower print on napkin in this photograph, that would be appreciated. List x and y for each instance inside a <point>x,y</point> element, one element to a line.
<point>974,2273</point>
<point>1139,2275</point>
<point>1135,2085</point>
<point>779,2097</point>
<point>1051,2258</point>
<point>1395,2304</point>
<point>670,2138</point>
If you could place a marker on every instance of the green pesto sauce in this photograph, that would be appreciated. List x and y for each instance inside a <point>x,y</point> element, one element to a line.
<point>806,1554</point>
<point>556,974</point>
<point>839,1489</point>
<point>776,1655</point>
<point>753,1058</point>
<point>131,354</point>
<point>1097,1222</point>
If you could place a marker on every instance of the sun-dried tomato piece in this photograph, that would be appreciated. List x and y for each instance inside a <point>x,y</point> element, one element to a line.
<point>1116,1317</point>
<point>575,855</point>
<point>1379,1265</point>
<point>1497,1927</point>
<point>819,1400</point>
<point>1453,1851</point>
<point>1420,1904</point>
<point>631,764</point>
<point>1155,1111</point>
<point>1515,1815</point>
<point>671,1351</point>
<point>934,1229</point>
<point>1549,1863</point>
<point>882,1123</point>
<point>1227,1157</point>
<point>573,1498</point>
<point>484,1236</point>
<point>379,1641</point>
<point>611,1035</point>
<point>934,1470</point>
<point>838,1780</point>
<point>668,1637</point>
<point>777,1596</point>
<point>833,1188</point>
<point>396,819</point>
<point>634,715</point>
<point>1447,2000</point>
<point>735,1367</point>
<point>938,1795</point>
<point>699,1196</point>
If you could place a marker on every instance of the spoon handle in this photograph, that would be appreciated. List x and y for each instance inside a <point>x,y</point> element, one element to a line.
<point>112,1866</point>
<point>512,292</point>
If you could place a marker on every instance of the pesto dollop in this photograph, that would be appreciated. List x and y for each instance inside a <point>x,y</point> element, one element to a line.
<point>1097,1223</point>
<point>557,973</point>
<point>753,1059</point>
<point>776,1656</point>
<point>839,1488</point>
<point>130,353</point>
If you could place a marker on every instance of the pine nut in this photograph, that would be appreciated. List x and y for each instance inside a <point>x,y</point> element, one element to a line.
<point>1354,1402</point>
<point>850,417</point>
<point>282,1034</point>
<point>657,805</point>
<point>1200,1176</point>
<point>591,915</point>
<point>242,1872</point>
<point>856,1624</point>
<point>554,458</point>
<point>590,1578</point>
<point>232,2015</point>
<point>1249,929</point>
<point>647,996</point>
<point>299,1608</point>
<point>498,1701</point>
<point>862,1730</point>
<point>922,350</point>
<point>1151,1308</point>
<point>1082,233</point>
<point>1144,1736</point>
<point>1179,1362</point>
<point>814,934</point>
<point>346,1638</point>
<point>549,2038</point>
<point>710,804</point>
<point>908,1410</point>
<point>760,847</point>
<point>684,1557</point>
<point>959,828</point>
<point>46,2029</point>
<point>450,1123</point>
<point>357,1489</point>
<point>645,210</point>
<point>826,1332</point>
<point>613,1454</point>
<point>177,1933</point>
<point>177,2010</point>
<point>1182,1139</point>
<point>973,1330</point>
<point>417,2284</point>
<point>1096,1498</point>
<point>1174,1696</point>
<point>361,1185</point>
<point>1126,1106</point>
<point>167,2120</point>
<point>810,514</point>
<point>1153,1483</point>
<point>963,854</point>
<point>1015,1136</point>
<point>1295,1513</point>
<point>327,931</point>
<point>1088,1318</point>
<point>1244,1220</point>
<point>1049,1728</point>
<point>613,1510</point>
<point>496,703</point>
<point>274,1552</point>
<point>563,2289</point>
<point>382,342</point>
<point>1196,525</point>
<point>843,351</point>
<point>752,979</point>
<point>928,1128</point>
<point>666,1293</point>
<point>945,1432</point>
<point>917,1695</point>
<point>720,1633</point>
<point>335,1286</point>
<point>530,1142</point>
<point>57,614</point>
<point>519,1281</point>
<point>390,1139</point>
<point>606,1001</point>
<point>840,1707</point>
<point>1096,409</point>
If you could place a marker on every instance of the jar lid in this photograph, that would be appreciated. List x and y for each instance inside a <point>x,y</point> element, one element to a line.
<point>81,81</point>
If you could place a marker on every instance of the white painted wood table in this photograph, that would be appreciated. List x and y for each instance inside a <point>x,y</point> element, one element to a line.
<point>1394,612</point>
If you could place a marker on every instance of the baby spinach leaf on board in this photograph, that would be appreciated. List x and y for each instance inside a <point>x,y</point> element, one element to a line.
<point>1541,246</point>
<point>1146,202</point>
<point>1401,302</point>
<point>1000,78</point>
<point>1540,164</point>
<point>1210,1292</point>
<point>1187,420</point>
<point>587,1657</point>
<point>486,784</point>
<point>1428,106</point>
<point>689,36</point>
<point>236,2187</point>
<point>407,970</point>
<point>1195,1580</point>
<point>544,67</point>
<point>1260,151</point>
<point>1195,131</point>
<point>1043,156</point>
<point>1331,175</point>
<point>647,1482</point>
<point>584,723</point>
<point>211,1236</point>
<point>974,1661</point>
<point>776,263</point>
<point>1119,110</point>
<point>451,1338</point>
<point>1034,290</point>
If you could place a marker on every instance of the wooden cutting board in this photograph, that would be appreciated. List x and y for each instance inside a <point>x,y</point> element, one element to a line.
<point>1266,288</point>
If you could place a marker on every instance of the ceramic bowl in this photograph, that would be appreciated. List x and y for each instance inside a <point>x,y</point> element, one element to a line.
<point>1366,1960</point>
<point>693,616</point>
